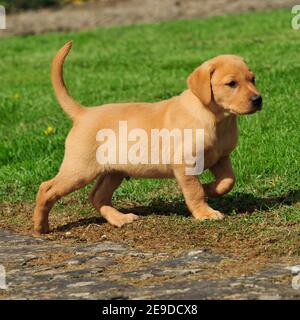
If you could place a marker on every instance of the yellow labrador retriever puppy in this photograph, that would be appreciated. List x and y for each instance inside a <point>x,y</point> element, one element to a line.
<point>218,91</point>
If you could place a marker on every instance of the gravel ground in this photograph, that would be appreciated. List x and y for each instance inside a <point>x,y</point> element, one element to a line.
<point>40,269</point>
<point>125,12</point>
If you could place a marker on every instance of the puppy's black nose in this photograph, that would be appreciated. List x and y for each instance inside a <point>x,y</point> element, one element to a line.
<point>256,101</point>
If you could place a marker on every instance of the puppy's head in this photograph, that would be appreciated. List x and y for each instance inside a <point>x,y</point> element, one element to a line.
<point>226,82</point>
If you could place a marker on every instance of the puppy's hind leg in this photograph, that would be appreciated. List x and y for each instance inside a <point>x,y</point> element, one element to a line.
<point>66,181</point>
<point>101,198</point>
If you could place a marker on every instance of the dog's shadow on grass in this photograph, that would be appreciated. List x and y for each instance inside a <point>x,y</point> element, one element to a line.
<point>248,203</point>
<point>239,203</point>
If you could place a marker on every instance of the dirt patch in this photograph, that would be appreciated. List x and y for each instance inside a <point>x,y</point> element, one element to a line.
<point>125,12</point>
<point>272,238</point>
<point>51,258</point>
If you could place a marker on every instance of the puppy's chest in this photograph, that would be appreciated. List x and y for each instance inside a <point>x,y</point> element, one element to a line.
<point>221,142</point>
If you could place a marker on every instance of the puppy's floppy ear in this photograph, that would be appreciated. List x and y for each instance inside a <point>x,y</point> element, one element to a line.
<point>199,82</point>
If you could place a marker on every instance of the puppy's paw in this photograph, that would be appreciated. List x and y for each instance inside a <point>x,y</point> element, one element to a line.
<point>41,229</point>
<point>208,214</point>
<point>121,219</point>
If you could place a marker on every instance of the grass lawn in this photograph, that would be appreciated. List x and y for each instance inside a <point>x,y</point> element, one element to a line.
<point>149,63</point>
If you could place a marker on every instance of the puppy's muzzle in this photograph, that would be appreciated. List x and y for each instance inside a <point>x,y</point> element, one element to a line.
<point>256,102</point>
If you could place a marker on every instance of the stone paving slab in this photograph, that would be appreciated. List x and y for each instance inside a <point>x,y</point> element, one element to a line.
<point>81,271</point>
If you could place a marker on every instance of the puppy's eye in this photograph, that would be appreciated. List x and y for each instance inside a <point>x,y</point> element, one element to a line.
<point>253,80</point>
<point>231,84</point>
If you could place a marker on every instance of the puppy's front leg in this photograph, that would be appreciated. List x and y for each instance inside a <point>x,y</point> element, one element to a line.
<point>195,197</point>
<point>225,179</point>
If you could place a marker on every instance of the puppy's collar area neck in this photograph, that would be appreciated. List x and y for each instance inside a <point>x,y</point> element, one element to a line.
<point>221,113</point>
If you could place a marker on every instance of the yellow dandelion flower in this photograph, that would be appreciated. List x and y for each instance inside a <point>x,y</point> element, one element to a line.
<point>49,131</point>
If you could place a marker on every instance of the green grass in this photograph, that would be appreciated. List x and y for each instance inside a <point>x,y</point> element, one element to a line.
<point>150,63</point>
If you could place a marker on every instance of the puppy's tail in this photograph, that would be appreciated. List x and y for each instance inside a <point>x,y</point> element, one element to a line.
<point>69,105</point>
